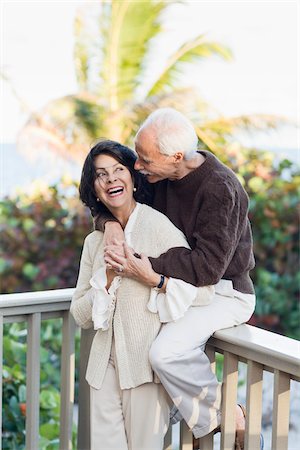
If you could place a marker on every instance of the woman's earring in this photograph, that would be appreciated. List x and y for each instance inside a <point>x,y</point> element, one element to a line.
<point>134,189</point>
<point>98,199</point>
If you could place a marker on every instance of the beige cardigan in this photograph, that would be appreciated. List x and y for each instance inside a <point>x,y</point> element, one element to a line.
<point>133,325</point>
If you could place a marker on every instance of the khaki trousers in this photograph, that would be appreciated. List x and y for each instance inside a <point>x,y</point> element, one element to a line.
<point>129,419</point>
<point>178,358</point>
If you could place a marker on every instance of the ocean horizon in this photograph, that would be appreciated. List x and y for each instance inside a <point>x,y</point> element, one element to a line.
<point>19,171</point>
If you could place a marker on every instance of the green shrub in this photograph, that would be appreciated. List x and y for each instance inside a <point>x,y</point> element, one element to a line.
<point>274,189</point>
<point>42,236</point>
<point>14,385</point>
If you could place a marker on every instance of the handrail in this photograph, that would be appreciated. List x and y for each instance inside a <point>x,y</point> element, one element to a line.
<point>35,298</point>
<point>260,342</point>
<point>260,349</point>
<point>272,350</point>
<point>248,338</point>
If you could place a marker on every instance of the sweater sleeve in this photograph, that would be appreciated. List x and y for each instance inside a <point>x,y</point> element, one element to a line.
<point>101,219</point>
<point>81,305</point>
<point>216,235</point>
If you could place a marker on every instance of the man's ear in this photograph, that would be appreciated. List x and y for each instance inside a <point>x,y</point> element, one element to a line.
<point>178,157</point>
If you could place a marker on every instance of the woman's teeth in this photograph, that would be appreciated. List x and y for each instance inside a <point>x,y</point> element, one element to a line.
<point>115,191</point>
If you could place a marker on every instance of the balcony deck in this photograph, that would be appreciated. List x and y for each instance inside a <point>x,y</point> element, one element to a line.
<point>260,350</point>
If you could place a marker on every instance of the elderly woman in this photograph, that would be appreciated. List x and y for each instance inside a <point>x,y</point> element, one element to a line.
<point>129,407</point>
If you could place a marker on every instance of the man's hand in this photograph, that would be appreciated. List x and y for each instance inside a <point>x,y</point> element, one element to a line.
<point>114,238</point>
<point>137,267</point>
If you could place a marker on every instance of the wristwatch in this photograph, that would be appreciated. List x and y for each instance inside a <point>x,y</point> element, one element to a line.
<point>160,284</point>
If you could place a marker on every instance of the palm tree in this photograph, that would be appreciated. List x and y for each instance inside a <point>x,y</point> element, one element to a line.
<point>111,62</point>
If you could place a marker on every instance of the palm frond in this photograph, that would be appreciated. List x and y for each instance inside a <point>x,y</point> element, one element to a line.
<point>23,104</point>
<point>191,51</point>
<point>80,55</point>
<point>110,63</point>
<point>132,25</point>
<point>66,126</point>
<point>84,48</point>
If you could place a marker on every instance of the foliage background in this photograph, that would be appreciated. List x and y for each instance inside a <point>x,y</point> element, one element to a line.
<point>42,237</point>
<point>14,385</point>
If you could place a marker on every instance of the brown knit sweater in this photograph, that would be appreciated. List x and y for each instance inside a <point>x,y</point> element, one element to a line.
<point>211,208</point>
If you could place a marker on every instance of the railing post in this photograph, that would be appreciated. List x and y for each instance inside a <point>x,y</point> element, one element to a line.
<point>67,381</point>
<point>186,437</point>
<point>281,407</point>
<point>33,381</point>
<point>254,405</point>
<point>230,381</point>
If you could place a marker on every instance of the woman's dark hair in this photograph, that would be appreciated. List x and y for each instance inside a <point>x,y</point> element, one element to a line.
<point>124,156</point>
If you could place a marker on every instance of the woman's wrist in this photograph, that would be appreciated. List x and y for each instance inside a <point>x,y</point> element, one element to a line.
<point>112,225</point>
<point>160,282</point>
<point>154,280</point>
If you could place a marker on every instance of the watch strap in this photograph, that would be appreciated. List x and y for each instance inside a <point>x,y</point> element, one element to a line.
<point>161,283</point>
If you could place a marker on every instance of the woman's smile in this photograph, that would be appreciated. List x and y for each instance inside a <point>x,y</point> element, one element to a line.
<point>115,191</point>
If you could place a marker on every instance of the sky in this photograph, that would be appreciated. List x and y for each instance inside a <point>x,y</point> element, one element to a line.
<point>37,55</point>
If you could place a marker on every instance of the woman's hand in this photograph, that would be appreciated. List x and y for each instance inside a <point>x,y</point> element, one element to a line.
<point>137,267</point>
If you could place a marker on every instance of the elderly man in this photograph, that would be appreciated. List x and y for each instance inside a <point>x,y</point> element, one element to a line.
<point>205,200</point>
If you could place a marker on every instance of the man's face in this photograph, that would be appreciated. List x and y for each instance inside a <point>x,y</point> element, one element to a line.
<point>150,161</point>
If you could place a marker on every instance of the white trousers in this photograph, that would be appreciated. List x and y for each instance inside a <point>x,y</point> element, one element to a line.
<point>177,356</point>
<point>129,419</point>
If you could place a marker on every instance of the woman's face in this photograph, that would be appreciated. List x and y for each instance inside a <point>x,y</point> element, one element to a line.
<point>113,184</point>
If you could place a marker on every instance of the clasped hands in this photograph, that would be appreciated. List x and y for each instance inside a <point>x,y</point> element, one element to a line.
<point>123,260</point>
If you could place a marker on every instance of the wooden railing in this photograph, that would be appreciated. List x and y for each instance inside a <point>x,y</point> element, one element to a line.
<point>33,307</point>
<point>259,349</point>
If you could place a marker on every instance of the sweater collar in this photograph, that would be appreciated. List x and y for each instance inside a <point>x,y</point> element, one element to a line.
<point>200,173</point>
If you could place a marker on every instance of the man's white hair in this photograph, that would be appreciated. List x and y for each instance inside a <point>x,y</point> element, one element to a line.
<point>173,132</point>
